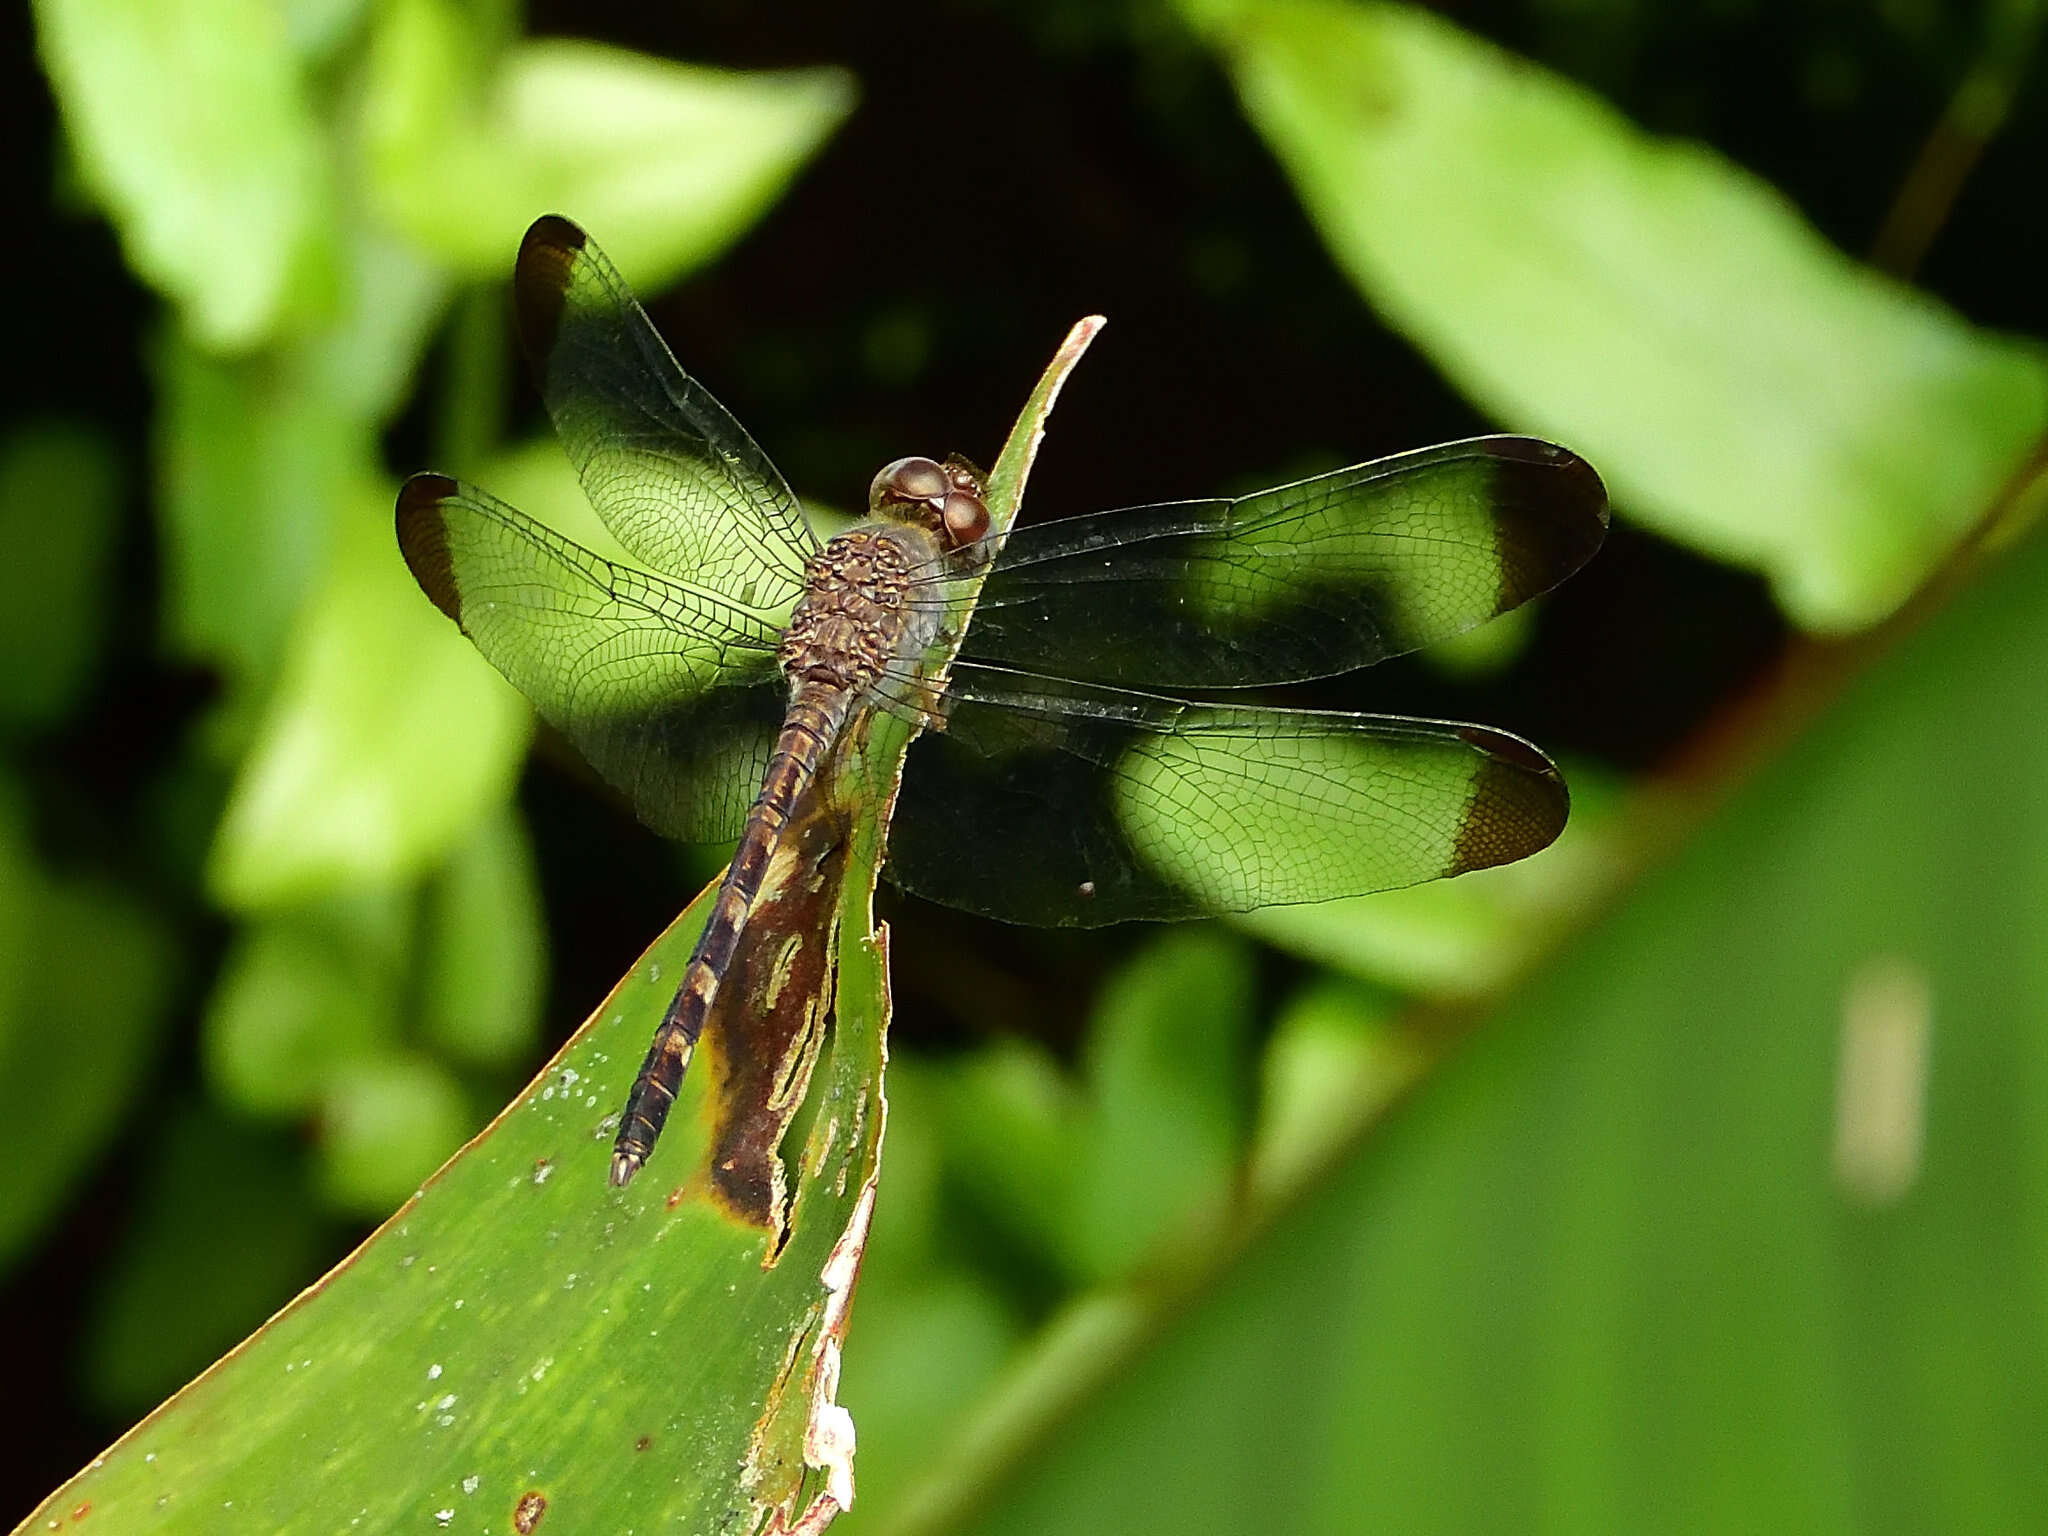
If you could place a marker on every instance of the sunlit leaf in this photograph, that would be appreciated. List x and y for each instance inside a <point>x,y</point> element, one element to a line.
<point>386,1122</point>
<point>253,469</point>
<point>1167,1065</point>
<point>360,362</point>
<point>667,162</point>
<point>59,508</point>
<point>1743,387</point>
<point>301,994</point>
<point>484,947</point>
<point>386,741</point>
<point>190,124</point>
<point>1331,1064</point>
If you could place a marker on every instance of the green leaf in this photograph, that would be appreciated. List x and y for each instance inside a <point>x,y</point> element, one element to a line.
<point>522,1338</point>
<point>387,740</point>
<point>386,1122</point>
<point>922,1355</point>
<point>1742,386</point>
<point>1015,1136</point>
<point>931,1336</point>
<point>361,362</point>
<point>1166,1066</point>
<point>222,1229</point>
<point>485,948</point>
<point>302,994</point>
<point>190,125</point>
<point>60,491</point>
<point>1331,1065</point>
<point>1736,1220</point>
<point>243,542</point>
<point>668,163</point>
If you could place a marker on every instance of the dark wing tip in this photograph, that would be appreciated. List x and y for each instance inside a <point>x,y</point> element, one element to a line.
<point>423,539</point>
<point>1551,512</point>
<point>1519,802</point>
<point>553,229</point>
<point>540,282</point>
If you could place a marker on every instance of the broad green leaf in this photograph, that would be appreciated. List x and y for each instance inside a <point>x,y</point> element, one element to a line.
<point>387,739</point>
<point>222,1229</point>
<point>667,162</point>
<point>191,126</point>
<point>521,1329</point>
<point>1736,1220</point>
<point>484,948</point>
<point>80,1040</point>
<point>522,1341</point>
<point>1744,387</point>
<point>60,488</point>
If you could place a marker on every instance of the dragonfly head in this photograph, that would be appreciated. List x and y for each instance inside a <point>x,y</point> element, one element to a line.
<point>945,498</point>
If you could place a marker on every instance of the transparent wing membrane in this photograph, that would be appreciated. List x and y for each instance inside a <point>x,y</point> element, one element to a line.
<point>1073,805</point>
<point>672,474</point>
<point>673,694</point>
<point>1305,580</point>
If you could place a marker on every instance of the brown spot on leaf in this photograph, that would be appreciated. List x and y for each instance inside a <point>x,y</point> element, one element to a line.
<point>771,1016</point>
<point>527,1512</point>
<point>82,1511</point>
<point>643,1442</point>
<point>675,1197</point>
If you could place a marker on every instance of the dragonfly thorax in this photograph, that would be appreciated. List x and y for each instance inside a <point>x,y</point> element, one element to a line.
<point>855,616</point>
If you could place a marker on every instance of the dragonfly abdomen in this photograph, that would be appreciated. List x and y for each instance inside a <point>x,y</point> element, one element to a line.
<point>817,711</point>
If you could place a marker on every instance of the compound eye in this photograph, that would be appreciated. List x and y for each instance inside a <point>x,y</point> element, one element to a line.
<point>908,480</point>
<point>966,518</point>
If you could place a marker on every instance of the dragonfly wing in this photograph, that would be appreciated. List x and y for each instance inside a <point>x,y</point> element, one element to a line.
<point>674,695</point>
<point>672,474</point>
<point>1304,580</point>
<point>1070,805</point>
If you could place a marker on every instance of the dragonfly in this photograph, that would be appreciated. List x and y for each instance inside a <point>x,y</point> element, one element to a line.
<point>1068,770</point>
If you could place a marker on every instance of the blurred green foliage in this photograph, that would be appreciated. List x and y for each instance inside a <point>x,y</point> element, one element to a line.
<point>1650,1252</point>
<point>311,200</point>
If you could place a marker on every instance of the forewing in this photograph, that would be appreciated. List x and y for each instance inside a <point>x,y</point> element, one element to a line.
<point>679,482</point>
<point>1304,580</point>
<point>1070,805</point>
<point>673,695</point>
